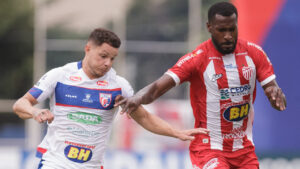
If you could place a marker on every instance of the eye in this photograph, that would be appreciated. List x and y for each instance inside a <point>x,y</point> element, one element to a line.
<point>103,56</point>
<point>222,30</point>
<point>232,29</point>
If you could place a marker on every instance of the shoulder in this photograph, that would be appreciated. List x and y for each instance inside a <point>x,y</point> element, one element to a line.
<point>250,46</point>
<point>197,54</point>
<point>71,67</point>
<point>122,81</point>
<point>126,88</point>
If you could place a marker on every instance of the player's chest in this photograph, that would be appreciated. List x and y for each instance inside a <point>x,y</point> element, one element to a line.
<point>230,71</point>
<point>87,94</point>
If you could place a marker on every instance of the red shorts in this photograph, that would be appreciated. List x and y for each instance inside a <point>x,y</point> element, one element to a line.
<point>216,159</point>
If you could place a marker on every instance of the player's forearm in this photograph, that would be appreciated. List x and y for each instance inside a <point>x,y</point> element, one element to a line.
<point>154,124</point>
<point>155,89</point>
<point>148,94</point>
<point>23,108</point>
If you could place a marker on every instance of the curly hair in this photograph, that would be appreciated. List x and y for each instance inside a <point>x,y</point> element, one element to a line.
<point>221,8</point>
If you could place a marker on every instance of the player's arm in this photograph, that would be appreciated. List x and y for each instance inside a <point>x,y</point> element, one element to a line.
<point>147,95</point>
<point>156,125</point>
<point>275,95</point>
<point>24,108</point>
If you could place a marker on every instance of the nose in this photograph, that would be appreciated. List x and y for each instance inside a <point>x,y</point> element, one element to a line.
<point>228,36</point>
<point>107,62</point>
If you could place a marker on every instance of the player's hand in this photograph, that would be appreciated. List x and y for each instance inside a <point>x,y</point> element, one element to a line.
<point>118,99</point>
<point>188,135</point>
<point>276,97</point>
<point>128,105</point>
<point>43,115</point>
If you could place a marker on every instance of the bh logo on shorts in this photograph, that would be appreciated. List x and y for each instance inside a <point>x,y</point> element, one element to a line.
<point>78,154</point>
<point>105,99</point>
<point>236,112</point>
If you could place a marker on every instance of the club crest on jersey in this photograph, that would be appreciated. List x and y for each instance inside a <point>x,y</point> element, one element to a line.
<point>247,72</point>
<point>105,99</point>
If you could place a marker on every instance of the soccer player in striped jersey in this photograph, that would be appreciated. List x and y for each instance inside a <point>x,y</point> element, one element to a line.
<point>222,72</point>
<point>82,96</point>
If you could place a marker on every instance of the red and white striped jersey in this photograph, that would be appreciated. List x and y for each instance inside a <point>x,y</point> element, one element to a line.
<point>222,92</point>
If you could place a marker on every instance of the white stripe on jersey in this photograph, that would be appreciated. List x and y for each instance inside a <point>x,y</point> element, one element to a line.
<point>251,111</point>
<point>213,108</point>
<point>232,74</point>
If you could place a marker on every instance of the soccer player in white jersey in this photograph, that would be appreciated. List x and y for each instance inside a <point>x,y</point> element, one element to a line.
<point>222,72</point>
<point>82,97</point>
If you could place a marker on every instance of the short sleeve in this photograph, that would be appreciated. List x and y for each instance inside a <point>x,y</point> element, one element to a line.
<point>127,90</point>
<point>45,87</point>
<point>264,68</point>
<point>183,69</point>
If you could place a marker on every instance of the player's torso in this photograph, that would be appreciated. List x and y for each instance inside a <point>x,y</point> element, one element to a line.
<point>83,111</point>
<point>221,94</point>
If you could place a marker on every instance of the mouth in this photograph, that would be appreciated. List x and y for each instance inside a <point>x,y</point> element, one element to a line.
<point>227,45</point>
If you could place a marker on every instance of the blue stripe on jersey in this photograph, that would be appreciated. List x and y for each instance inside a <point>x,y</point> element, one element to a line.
<point>74,96</point>
<point>38,154</point>
<point>41,164</point>
<point>35,92</point>
<point>79,64</point>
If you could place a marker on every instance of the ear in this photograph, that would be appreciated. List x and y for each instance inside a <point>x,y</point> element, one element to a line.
<point>209,27</point>
<point>87,48</point>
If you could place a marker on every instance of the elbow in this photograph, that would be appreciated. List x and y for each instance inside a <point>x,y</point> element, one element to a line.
<point>15,109</point>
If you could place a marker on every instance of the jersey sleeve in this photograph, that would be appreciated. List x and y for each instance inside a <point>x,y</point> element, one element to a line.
<point>126,88</point>
<point>264,68</point>
<point>183,69</point>
<point>45,87</point>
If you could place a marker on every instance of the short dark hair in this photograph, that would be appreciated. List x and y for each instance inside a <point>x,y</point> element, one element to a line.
<point>100,36</point>
<point>221,8</point>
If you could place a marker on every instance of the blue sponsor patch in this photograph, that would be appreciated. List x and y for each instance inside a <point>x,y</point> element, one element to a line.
<point>73,96</point>
<point>236,112</point>
<point>35,92</point>
<point>78,154</point>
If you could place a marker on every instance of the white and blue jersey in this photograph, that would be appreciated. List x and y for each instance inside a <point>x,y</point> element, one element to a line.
<point>83,114</point>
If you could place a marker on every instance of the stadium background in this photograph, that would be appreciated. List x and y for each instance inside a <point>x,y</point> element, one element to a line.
<point>36,36</point>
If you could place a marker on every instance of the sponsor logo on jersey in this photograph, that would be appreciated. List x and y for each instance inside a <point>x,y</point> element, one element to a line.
<point>231,66</point>
<point>75,78</point>
<point>105,99</point>
<point>87,98</point>
<point>199,51</point>
<point>214,58</point>
<point>71,96</point>
<point>78,154</point>
<point>236,112</point>
<point>182,61</point>
<point>82,132</point>
<point>215,77</point>
<point>235,91</point>
<point>102,83</point>
<point>85,118</point>
<point>211,164</point>
<point>205,140</point>
<point>247,72</point>
<point>243,53</point>
<point>236,133</point>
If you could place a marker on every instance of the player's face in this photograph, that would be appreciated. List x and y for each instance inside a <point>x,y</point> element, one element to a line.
<point>99,59</point>
<point>224,32</point>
